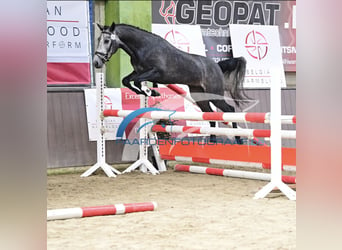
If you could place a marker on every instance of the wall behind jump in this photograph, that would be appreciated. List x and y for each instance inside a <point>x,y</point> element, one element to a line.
<point>67,132</point>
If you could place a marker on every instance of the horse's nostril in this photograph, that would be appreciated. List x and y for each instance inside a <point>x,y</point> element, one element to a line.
<point>97,64</point>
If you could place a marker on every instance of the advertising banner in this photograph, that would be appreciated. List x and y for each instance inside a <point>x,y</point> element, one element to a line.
<point>187,38</point>
<point>68,43</point>
<point>214,17</point>
<point>260,45</point>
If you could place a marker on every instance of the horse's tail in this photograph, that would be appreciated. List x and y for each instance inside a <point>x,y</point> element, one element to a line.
<point>237,66</point>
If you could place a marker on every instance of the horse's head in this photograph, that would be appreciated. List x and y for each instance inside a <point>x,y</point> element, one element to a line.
<point>108,44</point>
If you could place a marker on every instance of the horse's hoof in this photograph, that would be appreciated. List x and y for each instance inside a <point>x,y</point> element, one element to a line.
<point>146,91</point>
<point>212,139</point>
<point>238,140</point>
<point>155,93</point>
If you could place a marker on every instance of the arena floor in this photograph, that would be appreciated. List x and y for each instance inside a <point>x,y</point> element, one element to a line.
<point>194,212</point>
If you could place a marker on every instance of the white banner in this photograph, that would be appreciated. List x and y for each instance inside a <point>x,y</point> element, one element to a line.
<point>68,31</point>
<point>260,46</point>
<point>187,38</point>
<point>112,100</point>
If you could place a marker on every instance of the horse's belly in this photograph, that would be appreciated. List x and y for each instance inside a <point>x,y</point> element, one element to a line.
<point>181,73</point>
<point>181,77</point>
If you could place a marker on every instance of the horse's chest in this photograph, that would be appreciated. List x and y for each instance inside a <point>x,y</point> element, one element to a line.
<point>137,67</point>
<point>138,63</point>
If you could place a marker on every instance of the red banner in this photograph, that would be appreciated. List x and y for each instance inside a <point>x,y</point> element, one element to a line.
<point>71,73</point>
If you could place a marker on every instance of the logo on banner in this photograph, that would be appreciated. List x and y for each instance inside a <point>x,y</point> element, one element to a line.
<point>178,40</point>
<point>168,12</point>
<point>129,118</point>
<point>107,102</point>
<point>256,45</point>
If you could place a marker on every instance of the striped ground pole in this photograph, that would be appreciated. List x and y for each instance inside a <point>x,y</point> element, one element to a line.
<point>256,165</point>
<point>202,116</point>
<point>286,134</point>
<point>232,173</point>
<point>81,212</point>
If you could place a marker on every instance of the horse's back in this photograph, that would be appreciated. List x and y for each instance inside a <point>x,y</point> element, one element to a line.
<point>173,64</point>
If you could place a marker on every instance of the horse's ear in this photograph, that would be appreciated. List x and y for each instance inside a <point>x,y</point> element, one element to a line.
<point>112,27</point>
<point>100,26</point>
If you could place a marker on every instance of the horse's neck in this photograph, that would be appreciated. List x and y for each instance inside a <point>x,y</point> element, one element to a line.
<point>127,49</point>
<point>131,40</point>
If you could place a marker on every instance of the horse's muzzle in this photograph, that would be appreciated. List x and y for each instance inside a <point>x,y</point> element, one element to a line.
<point>98,62</point>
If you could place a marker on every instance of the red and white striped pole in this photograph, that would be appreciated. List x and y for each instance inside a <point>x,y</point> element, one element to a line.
<point>255,165</point>
<point>286,134</point>
<point>201,116</point>
<point>186,95</point>
<point>232,173</point>
<point>80,212</point>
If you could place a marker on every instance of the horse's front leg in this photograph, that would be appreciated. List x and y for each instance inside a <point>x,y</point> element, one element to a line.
<point>126,81</point>
<point>146,90</point>
<point>150,75</point>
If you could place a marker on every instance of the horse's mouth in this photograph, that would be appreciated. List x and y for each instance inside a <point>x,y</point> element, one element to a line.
<point>98,62</point>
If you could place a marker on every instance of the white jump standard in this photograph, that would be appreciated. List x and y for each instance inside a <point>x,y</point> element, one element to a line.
<point>101,142</point>
<point>143,163</point>
<point>276,153</point>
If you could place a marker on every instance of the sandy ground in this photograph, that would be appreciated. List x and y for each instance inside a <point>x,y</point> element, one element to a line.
<point>194,212</point>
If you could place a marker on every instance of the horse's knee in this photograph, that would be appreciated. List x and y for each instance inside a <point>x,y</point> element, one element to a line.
<point>132,87</point>
<point>125,82</point>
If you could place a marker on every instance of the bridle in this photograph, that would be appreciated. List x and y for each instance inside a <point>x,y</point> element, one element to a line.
<point>104,57</point>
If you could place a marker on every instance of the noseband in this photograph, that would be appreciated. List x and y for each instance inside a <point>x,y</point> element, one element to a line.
<point>104,57</point>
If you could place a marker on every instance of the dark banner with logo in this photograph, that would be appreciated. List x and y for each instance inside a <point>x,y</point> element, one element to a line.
<point>215,16</point>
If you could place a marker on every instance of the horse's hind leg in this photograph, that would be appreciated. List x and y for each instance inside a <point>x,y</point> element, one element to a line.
<point>205,107</point>
<point>225,107</point>
<point>197,93</point>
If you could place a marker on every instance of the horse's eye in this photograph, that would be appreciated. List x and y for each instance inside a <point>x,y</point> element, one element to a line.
<point>106,41</point>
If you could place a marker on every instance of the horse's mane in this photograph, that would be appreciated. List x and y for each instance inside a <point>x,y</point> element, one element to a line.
<point>133,27</point>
